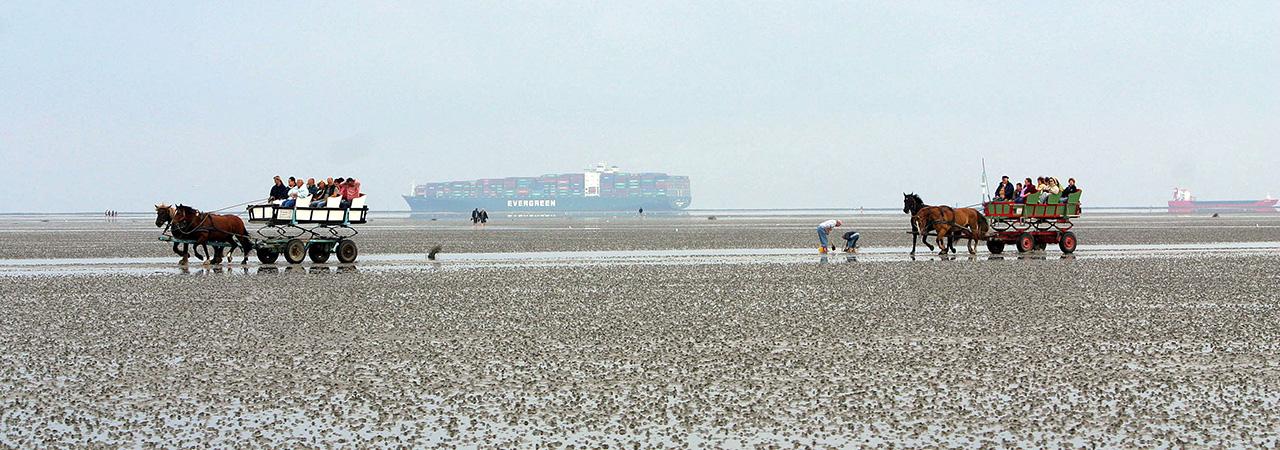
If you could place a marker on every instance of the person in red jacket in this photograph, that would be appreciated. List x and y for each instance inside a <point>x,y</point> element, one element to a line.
<point>349,189</point>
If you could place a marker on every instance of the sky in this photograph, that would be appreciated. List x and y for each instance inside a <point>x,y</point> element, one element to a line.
<point>120,105</point>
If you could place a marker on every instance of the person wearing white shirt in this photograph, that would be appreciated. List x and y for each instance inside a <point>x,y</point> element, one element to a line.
<point>298,191</point>
<point>824,230</point>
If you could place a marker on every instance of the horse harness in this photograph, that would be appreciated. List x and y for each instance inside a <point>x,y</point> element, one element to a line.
<point>959,230</point>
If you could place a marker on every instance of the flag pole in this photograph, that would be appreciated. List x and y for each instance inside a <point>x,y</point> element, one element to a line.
<point>985,197</point>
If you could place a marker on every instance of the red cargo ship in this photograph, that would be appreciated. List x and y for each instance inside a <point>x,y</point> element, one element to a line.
<point>1185,203</point>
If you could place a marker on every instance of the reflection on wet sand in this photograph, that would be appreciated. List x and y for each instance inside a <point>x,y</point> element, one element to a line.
<point>268,269</point>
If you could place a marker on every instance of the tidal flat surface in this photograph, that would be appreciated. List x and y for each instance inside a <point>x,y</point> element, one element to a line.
<point>1150,350</point>
<point>136,237</point>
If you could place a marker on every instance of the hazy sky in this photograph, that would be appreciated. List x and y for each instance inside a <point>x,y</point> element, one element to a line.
<point>781,104</point>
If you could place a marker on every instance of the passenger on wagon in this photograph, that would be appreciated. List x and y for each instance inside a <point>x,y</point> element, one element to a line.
<point>279,191</point>
<point>298,193</point>
<point>337,188</point>
<point>1019,196</point>
<point>1070,189</point>
<point>311,187</point>
<point>319,198</point>
<point>1030,193</point>
<point>329,187</point>
<point>1004,190</point>
<point>350,190</point>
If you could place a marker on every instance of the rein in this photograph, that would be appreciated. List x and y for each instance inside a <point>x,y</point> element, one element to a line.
<point>205,218</point>
<point>196,227</point>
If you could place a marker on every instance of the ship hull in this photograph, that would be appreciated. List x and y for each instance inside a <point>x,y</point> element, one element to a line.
<point>1223,206</point>
<point>543,205</point>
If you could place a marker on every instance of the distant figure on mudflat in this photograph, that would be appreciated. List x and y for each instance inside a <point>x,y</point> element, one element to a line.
<point>475,217</point>
<point>851,241</point>
<point>824,230</point>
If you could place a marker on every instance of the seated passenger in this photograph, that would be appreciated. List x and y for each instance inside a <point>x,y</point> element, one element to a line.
<point>1054,188</point>
<point>279,191</point>
<point>296,194</point>
<point>1029,191</point>
<point>318,198</point>
<point>1070,189</point>
<point>335,189</point>
<point>1019,195</point>
<point>329,187</point>
<point>349,189</point>
<point>1004,190</point>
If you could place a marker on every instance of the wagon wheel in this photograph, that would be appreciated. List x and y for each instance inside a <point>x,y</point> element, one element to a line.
<point>266,255</point>
<point>1067,242</point>
<point>295,250</point>
<point>347,251</point>
<point>318,253</point>
<point>995,247</point>
<point>1026,243</point>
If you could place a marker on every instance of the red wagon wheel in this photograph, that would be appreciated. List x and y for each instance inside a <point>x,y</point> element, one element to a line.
<point>1067,243</point>
<point>1026,242</point>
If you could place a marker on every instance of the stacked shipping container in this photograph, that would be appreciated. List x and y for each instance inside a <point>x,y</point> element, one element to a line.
<point>591,191</point>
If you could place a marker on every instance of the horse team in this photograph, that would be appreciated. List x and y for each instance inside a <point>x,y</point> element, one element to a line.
<point>946,223</point>
<point>222,230</point>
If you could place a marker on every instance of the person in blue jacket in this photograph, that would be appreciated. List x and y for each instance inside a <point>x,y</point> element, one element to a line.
<point>1004,190</point>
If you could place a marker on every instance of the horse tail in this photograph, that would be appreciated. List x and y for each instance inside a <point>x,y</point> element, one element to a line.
<point>983,225</point>
<point>239,233</point>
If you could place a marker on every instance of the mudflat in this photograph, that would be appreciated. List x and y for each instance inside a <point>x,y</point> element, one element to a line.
<point>1142,350</point>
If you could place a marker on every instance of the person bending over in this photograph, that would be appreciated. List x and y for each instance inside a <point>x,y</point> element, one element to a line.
<point>824,229</point>
<point>850,241</point>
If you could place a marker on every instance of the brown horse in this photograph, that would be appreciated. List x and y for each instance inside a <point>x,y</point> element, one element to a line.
<point>208,227</point>
<point>912,205</point>
<point>164,216</point>
<point>946,222</point>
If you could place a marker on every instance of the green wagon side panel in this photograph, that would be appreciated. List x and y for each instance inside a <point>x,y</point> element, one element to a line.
<point>1073,204</point>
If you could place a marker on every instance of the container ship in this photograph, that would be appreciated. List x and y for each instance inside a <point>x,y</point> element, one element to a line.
<point>603,188</point>
<point>1185,203</point>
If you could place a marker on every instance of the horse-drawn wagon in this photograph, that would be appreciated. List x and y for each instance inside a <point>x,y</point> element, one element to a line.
<point>1033,225</point>
<point>301,232</point>
<point>297,232</point>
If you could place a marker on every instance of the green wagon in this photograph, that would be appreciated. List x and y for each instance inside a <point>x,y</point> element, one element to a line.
<point>1033,225</point>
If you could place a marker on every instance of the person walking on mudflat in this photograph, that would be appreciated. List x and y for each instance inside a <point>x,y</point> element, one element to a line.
<point>824,230</point>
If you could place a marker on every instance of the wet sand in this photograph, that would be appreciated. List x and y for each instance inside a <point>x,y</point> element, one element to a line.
<point>1172,347</point>
<point>137,237</point>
